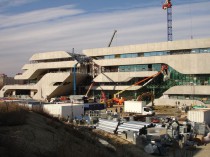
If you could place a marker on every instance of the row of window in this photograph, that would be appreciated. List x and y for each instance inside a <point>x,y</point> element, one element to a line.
<point>143,67</point>
<point>178,78</point>
<point>132,68</point>
<point>183,79</point>
<point>156,53</point>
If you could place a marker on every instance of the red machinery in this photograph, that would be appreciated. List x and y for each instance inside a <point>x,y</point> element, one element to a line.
<point>167,4</point>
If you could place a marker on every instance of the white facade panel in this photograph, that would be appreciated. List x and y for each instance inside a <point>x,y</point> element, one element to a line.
<point>162,46</point>
<point>50,55</point>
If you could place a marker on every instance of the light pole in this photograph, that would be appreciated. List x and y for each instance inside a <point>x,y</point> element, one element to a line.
<point>193,91</point>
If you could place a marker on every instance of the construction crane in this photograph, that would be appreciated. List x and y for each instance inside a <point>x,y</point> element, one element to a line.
<point>81,59</point>
<point>115,31</point>
<point>168,6</point>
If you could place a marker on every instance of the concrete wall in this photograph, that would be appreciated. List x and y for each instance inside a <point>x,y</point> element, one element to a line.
<point>49,55</point>
<point>33,70</point>
<point>122,76</point>
<point>161,46</point>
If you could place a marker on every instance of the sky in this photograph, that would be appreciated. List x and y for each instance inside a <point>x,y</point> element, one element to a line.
<point>34,26</point>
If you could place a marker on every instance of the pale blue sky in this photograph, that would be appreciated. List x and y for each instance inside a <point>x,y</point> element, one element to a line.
<point>32,26</point>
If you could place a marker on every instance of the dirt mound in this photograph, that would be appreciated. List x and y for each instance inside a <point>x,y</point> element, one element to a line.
<point>41,136</point>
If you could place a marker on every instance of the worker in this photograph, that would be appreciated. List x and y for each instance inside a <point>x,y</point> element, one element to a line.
<point>175,128</point>
<point>106,111</point>
<point>121,109</point>
<point>68,119</point>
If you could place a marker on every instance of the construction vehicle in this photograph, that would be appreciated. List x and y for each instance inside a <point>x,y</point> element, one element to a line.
<point>91,85</point>
<point>137,107</point>
<point>145,95</point>
<point>120,101</point>
<point>164,69</point>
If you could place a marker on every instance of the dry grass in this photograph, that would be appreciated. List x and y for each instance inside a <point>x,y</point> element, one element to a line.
<point>167,110</point>
<point>12,114</point>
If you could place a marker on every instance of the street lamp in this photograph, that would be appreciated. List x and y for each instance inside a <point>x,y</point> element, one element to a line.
<point>193,89</point>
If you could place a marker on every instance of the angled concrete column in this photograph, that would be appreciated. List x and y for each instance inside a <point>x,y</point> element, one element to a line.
<point>13,92</point>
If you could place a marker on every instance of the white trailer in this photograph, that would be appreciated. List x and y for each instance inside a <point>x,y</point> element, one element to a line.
<point>64,110</point>
<point>137,107</point>
<point>199,116</point>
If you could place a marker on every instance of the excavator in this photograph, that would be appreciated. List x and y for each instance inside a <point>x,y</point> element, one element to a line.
<point>146,95</point>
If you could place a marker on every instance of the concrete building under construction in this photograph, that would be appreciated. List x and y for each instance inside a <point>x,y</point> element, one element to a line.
<point>48,75</point>
<point>185,79</point>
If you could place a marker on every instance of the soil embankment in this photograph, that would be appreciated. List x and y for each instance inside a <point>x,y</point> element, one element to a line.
<point>29,134</point>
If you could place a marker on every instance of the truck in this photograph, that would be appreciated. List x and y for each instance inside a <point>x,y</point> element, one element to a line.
<point>137,107</point>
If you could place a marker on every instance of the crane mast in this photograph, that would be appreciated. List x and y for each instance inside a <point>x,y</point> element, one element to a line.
<point>168,6</point>
<point>115,31</point>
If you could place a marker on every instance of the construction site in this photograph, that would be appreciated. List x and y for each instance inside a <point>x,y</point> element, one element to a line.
<point>152,98</point>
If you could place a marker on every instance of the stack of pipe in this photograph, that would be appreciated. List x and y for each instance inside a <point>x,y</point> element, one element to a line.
<point>131,126</point>
<point>107,125</point>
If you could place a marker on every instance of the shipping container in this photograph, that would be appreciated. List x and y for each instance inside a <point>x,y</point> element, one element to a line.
<point>199,116</point>
<point>64,110</point>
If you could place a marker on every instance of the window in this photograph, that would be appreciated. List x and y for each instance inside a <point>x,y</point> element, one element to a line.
<point>134,55</point>
<point>122,56</point>
<point>195,51</point>
<point>109,57</point>
<point>147,54</point>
